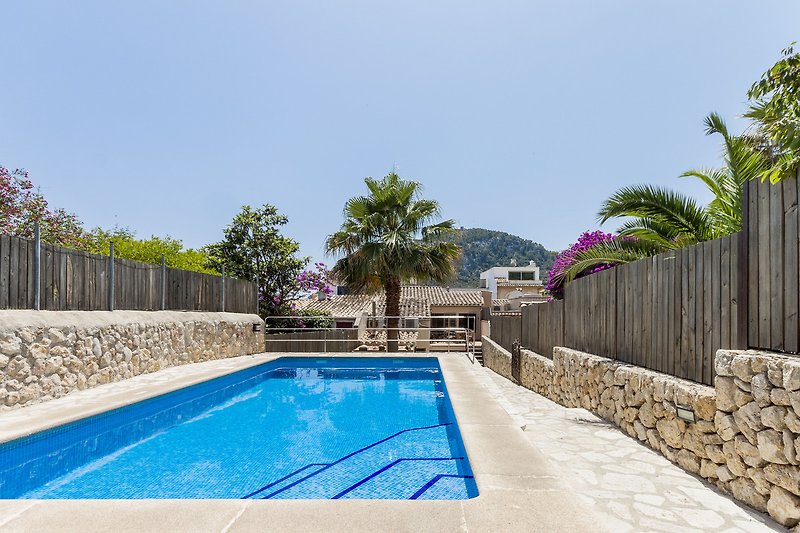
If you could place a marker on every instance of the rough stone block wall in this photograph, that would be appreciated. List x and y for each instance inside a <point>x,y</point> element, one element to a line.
<point>758,408</point>
<point>47,354</point>
<point>536,371</point>
<point>746,434</point>
<point>496,358</point>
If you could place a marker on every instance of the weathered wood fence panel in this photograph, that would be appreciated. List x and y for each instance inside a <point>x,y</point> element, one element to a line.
<point>77,280</point>
<point>669,313</point>
<point>590,317</point>
<point>672,312</point>
<point>241,296</point>
<point>774,265</point>
<point>506,328</point>
<point>320,341</point>
<point>16,273</point>
<point>542,327</point>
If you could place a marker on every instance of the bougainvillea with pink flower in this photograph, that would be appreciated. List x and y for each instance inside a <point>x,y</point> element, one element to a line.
<point>22,206</point>
<point>315,281</point>
<point>307,283</point>
<point>564,260</point>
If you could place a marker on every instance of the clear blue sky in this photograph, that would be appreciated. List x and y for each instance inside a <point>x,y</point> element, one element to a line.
<point>521,116</point>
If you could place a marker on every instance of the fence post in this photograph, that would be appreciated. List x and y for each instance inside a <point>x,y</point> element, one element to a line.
<point>258,298</point>
<point>111,276</point>
<point>223,288</point>
<point>163,282</point>
<point>37,268</point>
<point>743,277</point>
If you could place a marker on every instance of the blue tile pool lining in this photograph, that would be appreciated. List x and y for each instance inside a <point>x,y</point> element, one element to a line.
<point>325,466</point>
<point>104,433</point>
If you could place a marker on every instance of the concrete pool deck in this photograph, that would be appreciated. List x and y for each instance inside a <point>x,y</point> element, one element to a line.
<point>520,488</point>
<point>630,486</point>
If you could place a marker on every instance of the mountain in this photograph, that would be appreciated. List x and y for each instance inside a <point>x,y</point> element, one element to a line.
<point>484,248</point>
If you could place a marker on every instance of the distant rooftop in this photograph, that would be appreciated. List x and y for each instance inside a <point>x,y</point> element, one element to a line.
<point>502,282</point>
<point>415,300</point>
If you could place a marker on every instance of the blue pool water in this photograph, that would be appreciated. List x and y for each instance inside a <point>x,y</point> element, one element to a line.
<point>290,428</point>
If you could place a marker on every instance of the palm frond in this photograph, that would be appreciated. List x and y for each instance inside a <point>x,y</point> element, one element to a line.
<point>667,207</point>
<point>615,252</point>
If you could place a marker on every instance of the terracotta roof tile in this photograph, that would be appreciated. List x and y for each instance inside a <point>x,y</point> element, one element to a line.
<point>443,296</point>
<point>415,300</point>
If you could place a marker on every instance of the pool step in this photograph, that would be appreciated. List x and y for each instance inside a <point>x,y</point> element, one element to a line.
<point>479,353</point>
<point>286,481</point>
<point>402,464</point>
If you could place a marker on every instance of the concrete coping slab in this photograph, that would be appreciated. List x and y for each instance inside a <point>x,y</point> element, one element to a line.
<point>15,319</point>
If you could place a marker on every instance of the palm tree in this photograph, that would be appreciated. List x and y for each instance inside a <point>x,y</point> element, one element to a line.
<point>388,238</point>
<point>661,219</point>
<point>775,109</point>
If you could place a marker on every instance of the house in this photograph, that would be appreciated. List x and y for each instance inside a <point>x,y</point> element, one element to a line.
<point>422,306</point>
<point>513,282</point>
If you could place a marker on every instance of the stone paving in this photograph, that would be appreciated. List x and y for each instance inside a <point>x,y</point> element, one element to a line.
<point>631,487</point>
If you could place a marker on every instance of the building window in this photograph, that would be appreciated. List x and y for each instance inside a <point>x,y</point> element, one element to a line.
<point>521,276</point>
<point>439,322</point>
<point>483,283</point>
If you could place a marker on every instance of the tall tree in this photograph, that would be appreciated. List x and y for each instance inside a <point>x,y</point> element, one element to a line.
<point>253,248</point>
<point>775,107</point>
<point>389,237</point>
<point>22,207</point>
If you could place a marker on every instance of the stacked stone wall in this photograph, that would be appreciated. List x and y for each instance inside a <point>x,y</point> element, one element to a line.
<point>536,371</point>
<point>746,435</point>
<point>46,355</point>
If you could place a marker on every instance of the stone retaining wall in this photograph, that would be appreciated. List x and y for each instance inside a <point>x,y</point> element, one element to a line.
<point>746,436</point>
<point>496,358</point>
<point>48,354</point>
<point>536,371</point>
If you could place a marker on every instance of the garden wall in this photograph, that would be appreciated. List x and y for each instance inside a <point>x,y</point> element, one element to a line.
<point>746,437</point>
<point>48,354</point>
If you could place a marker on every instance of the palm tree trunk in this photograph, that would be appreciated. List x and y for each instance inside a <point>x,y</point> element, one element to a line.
<point>392,289</point>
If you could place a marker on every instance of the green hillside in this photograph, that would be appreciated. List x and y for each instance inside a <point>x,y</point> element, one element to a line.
<point>485,248</point>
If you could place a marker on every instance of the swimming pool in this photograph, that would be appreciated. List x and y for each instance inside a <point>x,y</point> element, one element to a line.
<point>292,428</point>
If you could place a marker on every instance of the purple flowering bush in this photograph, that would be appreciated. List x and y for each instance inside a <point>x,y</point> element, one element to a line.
<point>307,284</point>
<point>564,260</point>
<point>314,281</point>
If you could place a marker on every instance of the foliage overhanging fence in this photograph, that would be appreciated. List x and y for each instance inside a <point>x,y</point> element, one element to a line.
<point>673,311</point>
<point>76,280</point>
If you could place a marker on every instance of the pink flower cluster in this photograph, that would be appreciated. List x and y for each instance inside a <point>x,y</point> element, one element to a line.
<point>564,260</point>
<point>22,206</point>
<point>313,281</point>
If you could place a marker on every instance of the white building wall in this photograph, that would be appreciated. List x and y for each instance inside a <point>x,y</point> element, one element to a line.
<point>502,272</point>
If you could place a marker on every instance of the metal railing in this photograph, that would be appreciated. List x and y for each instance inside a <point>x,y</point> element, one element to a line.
<point>370,335</point>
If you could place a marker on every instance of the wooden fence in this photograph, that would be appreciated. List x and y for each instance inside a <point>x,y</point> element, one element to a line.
<point>76,280</point>
<point>506,328</point>
<point>543,327</point>
<point>321,341</point>
<point>670,312</point>
<point>673,311</point>
<point>771,222</point>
